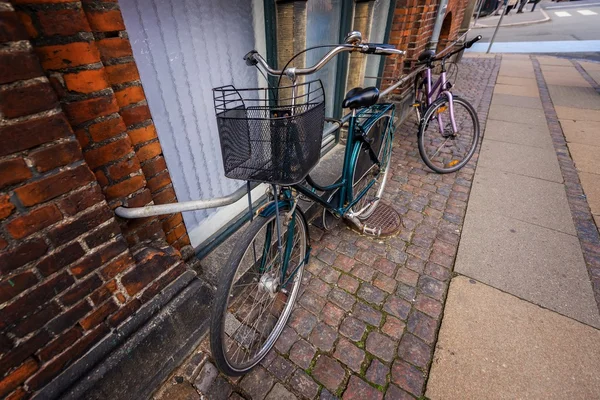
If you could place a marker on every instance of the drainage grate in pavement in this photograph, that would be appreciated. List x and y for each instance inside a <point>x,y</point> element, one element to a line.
<point>385,220</point>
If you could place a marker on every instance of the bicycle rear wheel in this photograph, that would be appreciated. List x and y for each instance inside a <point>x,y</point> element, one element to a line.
<point>441,149</point>
<point>257,291</point>
<point>375,175</point>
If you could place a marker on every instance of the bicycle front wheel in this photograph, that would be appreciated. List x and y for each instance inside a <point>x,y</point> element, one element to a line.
<point>442,149</point>
<point>257,290</point>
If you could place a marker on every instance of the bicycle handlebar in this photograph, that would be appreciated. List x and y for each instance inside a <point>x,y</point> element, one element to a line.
<point>253,58</point>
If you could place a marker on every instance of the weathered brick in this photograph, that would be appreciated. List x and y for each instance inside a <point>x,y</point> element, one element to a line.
<point>116,266</point>
<point>85,223</point>
<point>329,372</point>
<point>393,327</point>
<point>105,20</point>
<point>35,299</point>
<point>397,307</point>
<point>367,314</point>
<point>59,344</point>
<point>381,346</point>
<point>35,221</point>
<point>22,254</point>
<point>81,200</point>
<point>303,384</point>
<point>11,29</point>
<point>86,81</point>
<point>6,207</point>
<point>29,66</point>
<point>14,285</point>
<point>165,196</point>
<point>349,354</point>
<point>13,171</point>
<point>24,350</point>
<point>80,291</point>
<point>149,151</point>
<point>408,377</point>
<point>125,187</point>
<point>124,312</point>
<point>155,287</point>
<point>135,115</point>
<point>56,156</point>
<point>69,318</point>
<point>114,48</point>
<point>176,233</point>
<point>332,314</point>
<point>99,315</point>
<point>24,100</point>
<point>323,337</point>
<point>109,152</point>
<point>18,376</point>
<point>358,389</point>
<point>86,110</point>
<point>257,383</point>
<point>377,373</point>
<point>103,293</point>
<point>103,235</point>
<point>63,22</point>
<point>53,368</point>
<point>54,185</point>
<point>122,73</point>
<point>153,167</point>
<point>27,134</point>
<point>415,351</point>
<point>107,129</point>
<point>422,326</point>
<point>130,95</point>
<point>353,328</point>
<point>140,199</point>
<point>123,168</point>
<point>35,321</point>
<point>28,24</point>
<point>68,55</point>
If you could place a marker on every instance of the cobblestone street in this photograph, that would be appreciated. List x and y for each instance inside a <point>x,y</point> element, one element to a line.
<point>366,324</point>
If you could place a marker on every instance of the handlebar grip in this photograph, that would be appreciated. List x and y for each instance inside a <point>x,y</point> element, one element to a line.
<point>472,41</point>
<point>249,58</point>
<point>381,48</point>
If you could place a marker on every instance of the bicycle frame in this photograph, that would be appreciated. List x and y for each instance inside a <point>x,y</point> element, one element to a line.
<point>440,86</point>
<point>351,154</point>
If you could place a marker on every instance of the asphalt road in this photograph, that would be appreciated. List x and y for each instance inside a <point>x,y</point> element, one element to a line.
<point>574,29</point>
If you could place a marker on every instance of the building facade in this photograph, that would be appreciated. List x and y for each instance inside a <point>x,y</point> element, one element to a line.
<point>109,103</point>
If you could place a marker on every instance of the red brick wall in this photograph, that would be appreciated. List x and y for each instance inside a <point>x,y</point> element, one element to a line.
<point>411,30</point>
<point>412,27</point>
<point>76,140</point>
<point>85,51</point>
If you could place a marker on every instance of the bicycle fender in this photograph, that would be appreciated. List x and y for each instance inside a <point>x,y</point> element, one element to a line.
<point>269,209</point>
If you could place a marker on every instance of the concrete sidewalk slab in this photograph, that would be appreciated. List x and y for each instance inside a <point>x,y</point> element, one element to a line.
<point>527,199</point>
<point>537,264</point>
<point>523,160</point>
<point>526,91</point>
<point>590,66</point>
<point>591,188</point>
<point>585,157</point>
<point>517,114</point>
<point>510,132</point>
<point>516,71</point>
<point>574,96</point>
<point>495,346</point>
<point>546,60</point>
<point>501,99</point>
<point>565,78</point>
<point>584,132</point>
<point>506,80</point>
<point>576,114</point>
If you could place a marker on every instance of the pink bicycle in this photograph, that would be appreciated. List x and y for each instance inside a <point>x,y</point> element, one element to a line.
<point>448,124</point>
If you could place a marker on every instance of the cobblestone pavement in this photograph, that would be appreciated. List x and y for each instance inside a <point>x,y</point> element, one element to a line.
<point>366,323</point>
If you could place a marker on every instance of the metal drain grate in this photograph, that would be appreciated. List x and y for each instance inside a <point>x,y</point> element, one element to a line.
<point>385,220</point>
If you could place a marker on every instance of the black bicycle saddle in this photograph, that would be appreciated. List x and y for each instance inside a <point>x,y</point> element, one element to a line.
<point>359,97</point>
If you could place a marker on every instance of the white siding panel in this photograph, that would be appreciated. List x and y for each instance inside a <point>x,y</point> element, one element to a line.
<point>184,48</point>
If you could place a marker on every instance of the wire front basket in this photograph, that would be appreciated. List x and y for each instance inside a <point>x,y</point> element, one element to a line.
<point>270,135</point>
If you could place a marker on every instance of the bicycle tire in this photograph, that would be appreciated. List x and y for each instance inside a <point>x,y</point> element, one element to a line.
<point>380,174</point>
<point>426,122</point>
<point>218,328</point>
